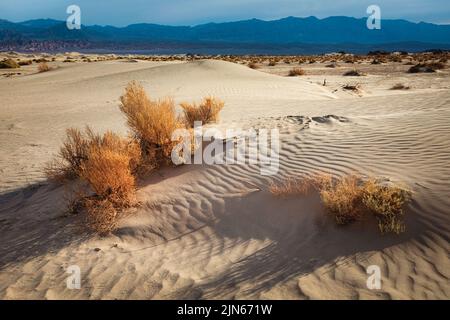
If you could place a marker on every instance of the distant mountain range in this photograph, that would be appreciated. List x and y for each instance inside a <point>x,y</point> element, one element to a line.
<point>333,33</point>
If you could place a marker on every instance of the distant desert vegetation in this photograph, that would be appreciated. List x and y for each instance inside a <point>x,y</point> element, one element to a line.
<point>419,62</point>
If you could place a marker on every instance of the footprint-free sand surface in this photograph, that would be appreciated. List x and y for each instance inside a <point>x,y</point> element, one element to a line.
<point>216,231</point>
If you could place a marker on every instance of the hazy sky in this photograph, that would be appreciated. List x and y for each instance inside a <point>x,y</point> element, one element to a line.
<point>191,12</point>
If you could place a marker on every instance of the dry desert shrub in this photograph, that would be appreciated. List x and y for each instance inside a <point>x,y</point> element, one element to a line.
<point>25,62</point>
<point>108,172</point>
<point>101,215</point>
<point>129,148</point>
<point>352,87</point>
<point>43,67</point>
<point>9,64</point>
<point>350,198</point>
<point>331,65</point>
<point>76,150</point>
<point>253,65</point>
<point>272,63</point>
<point>296,72</point>
<point>427,67</point>
<point>421,68</point>
<point>292,186</point>
<point>152,123</point>
<point>206,112</point>
<point>352,73</point>
<point>342,198</point>
<point>106,164</point>
<point>40,60</point>
<point>386,203</point>
<point>350,60</point>
<point>109,175</point>
<point>71,156</point>
<point>395,58</point>
<point>399,86</point>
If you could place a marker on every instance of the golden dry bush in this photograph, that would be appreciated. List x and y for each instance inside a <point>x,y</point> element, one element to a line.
<point>342,198</point>
<point>109,175</point>
<point>43,67</point>
<point>108,172</point>
<point>386,203</point>
<point>76,149</point>
<point>350,198</point>
<point>206,112</point>
<point>152,122</point>
<point>72,154</point>
<point>129,148</point>
<point>292,186</point>
<point>101,215</point>
<point>296,72</point>
<point>106,164</point>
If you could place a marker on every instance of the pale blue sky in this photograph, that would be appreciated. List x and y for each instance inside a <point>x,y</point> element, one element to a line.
<point>191,12</point>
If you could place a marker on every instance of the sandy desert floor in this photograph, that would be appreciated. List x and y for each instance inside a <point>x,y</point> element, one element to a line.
<point>216,231</point>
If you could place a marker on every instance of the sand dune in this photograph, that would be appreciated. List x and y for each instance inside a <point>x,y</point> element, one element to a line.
<point>216,231</point>
<point>50,102</point>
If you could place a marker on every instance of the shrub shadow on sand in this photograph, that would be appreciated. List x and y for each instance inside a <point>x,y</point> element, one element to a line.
<point>301,239</point>
<point>34,222</point>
